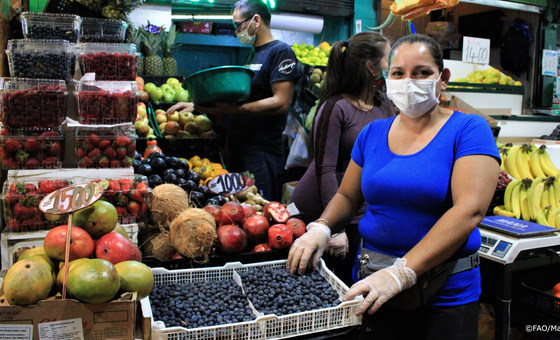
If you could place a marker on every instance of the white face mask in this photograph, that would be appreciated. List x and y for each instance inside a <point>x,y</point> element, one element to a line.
<point>244,36</point>
<point>413,97</point>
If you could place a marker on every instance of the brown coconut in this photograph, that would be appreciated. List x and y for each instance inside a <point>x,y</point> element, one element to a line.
<point>166,203</point>
<point>159,246</point>
<point>193,233</point>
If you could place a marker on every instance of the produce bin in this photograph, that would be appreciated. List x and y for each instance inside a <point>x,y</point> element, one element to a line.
<point>103,30</point>
<point>41,58</point>
<point>31,148</point>
<point>32,103</point>
<point>20,202</point>
<point>264,326</point>
<point>109,61</point>
<point>105,146</point>
<point>106,102</point>
<point>51,26</point>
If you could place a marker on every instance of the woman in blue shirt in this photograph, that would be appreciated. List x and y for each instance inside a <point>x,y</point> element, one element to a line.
<point>428,176</point>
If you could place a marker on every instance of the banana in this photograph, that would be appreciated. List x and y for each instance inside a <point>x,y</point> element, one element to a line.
<point>542,216</point>
<point>557,224</point>
<point>516,201</point>
<point>536,199</point>
<point>500,210</point>
<point>525,209</point>
<point>544,197</point>
<point>552,196</point>
<point>536,165</point>
<point>546,163</point>
<point>556,185</point>
<point>523,160</point>
<point>511,161</point>
<point>507,194</point>
<point>552,216</point>
<point>503,155</point>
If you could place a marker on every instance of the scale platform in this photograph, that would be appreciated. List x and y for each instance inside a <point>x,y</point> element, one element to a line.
<point>505,238</point>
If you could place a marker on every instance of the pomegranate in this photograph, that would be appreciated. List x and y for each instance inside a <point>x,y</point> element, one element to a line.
<point>214,210</point>
<point>297,225</point>
<point>232,239</point>
<point>248,210</point>
<point>280,236</point>
<point>276,212</point>
<point>256,227</point>
<point>116,248</point>
<point>232,213</point>
<point>261,247</point>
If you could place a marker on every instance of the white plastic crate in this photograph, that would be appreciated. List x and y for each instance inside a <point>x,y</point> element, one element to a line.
<point>263,327</point>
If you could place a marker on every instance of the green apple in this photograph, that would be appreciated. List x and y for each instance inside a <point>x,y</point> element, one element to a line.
<point>168,96</point>
<point>156,94</point>
<point>173,82</point>
<point>160,111</point>
<point>181,96</point>
<point>167,88</point>
<point>149,87</point>
<point>173,117</point>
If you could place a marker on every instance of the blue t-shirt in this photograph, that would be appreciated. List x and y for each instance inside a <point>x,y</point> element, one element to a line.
<point>407,194</point>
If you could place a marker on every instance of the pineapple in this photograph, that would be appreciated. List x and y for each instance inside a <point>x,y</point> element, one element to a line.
<point>168,47</point>
<point>137,38</point>
<point>153,65</point>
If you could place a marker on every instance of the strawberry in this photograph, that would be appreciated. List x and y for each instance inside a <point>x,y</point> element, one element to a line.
<point>80,153</point>
<point>85,162</point>
<point>104,143</point>
<point>18,187</point>
<point>12,145</point>
<point>131,149</point>
<point>32,145</point>
<point>128,181</point>
<point>120,200</point>
<point>112,189</point>
<point>32,223</point>
<point>10,163</point>
<point>29,187</point>
<point>22,212</point>
<point>122,140</point>
<point>133,208</point>
<point>143,208</point>
<point>126,162</point>
<point>115,163</point>
<point>94,154</point>
<point>50,162</point>
<point>103,162</point>
<point>142,187</point>
<point>110,153</point>
<point>249,179</point>
<point>46,187</point>
<point>121,211</point>
<point>32,163</point>
<point>22,156</point>
<point>135,195</point>
<point>13,197</point>
<point>93,138</point>
<point>121,152</point>
<point>14,225</point>
<point>49,134</point>
<point>55,149</point>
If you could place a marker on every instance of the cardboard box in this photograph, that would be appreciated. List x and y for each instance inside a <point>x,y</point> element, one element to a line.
<point>110,320</point>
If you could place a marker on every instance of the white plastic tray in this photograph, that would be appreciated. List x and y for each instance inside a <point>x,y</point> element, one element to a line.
<point>263,327</point>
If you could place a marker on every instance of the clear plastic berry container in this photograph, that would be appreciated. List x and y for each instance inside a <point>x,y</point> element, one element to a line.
<point>109,61</point>
<point>105,146</point>
<point>103,30</point>
<point>36,25</point>
<point>20,201</point>
<point>106,102</point>
<point>41,58</point>
<point>31,148</point>
<point>32,103</point>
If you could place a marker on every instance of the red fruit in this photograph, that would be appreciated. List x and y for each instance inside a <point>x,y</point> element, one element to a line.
<point>114,163</point>
<point>556,290</point>
<point>85,162</point>
<point>248,210</point>
<point>133,208</point>
<point>297,225</point>
<point>280,236</point>
<point>32,224</point>
<point>30,187</point>
<point>46,187</point>
<point>50,162</point>
<point>104,143</point>
<point>126,184</point>
<point>12,145</point>
<point>32,163</point>
<point>214,210</point>
<point>103,162</point>
<point>55,149</point>
<point>113,188</point>
<point>121,152</point>
<point>81,244</point>
<point>136,196</point>
<point>122,140</point>
<point>32,145</point>
<point>142,187</point>
<point>261,247</point>
<point>126,162</point>
<point>80,153</point>
<point>116,248</point>
<point>232,213</point>
<point>110,152</point>
<point>14,225</point>
<point>94,154</point>
<point>121,211</point>
<point>22,212</point>
<point>232,239</point>
<point>48,134</point>
<point>256,227</point>
<point>276,212</point>
<point>93,138</point>
<point>177,257</point>
<point>12,197</point>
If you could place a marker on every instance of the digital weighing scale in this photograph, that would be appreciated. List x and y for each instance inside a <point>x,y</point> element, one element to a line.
<point>505,239</point>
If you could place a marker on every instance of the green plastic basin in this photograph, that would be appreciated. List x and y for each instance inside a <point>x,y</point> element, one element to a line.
<point>230,84</point>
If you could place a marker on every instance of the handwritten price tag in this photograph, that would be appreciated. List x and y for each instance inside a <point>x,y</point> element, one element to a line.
<point>228,183</point>
<point>476,50</point>
<point>72,198</point>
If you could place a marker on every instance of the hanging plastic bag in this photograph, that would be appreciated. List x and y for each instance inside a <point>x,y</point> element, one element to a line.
<point>300,154</point>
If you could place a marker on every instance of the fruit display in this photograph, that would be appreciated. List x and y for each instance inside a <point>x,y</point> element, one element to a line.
<point>32,103</point>
<point>102,30</point>
<point>170,91</point>
<point>20,201</point>
<point>106,102</point>
<point>318,76</point>
<point>168,48</point>
<point>31,149</point>
<point>164,169</point>
<point>105,147</point>
<point>41,58</point>
<point>153,64</point>
<point>109,61</point>
<point>311,55</point>
<point>526,161</point>
<point>51,26</point>
<point>488,76</point>
<point>184,124</point>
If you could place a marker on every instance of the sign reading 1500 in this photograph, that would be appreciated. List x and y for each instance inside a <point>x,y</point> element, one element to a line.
<point>270,3</point>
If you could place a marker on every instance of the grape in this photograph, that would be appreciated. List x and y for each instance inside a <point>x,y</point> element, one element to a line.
<point>503,180</point>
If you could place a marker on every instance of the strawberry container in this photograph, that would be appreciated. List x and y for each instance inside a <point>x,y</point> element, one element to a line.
<point>109,61</point>
<point>129,195</point>
<point>41,58</point>
<point>20,200</point>
<point>51,26</point>
<point>31,148</point>
<point>106,102</point>
<point>105,147</point>
<point>32,103</point>
<point>103,30</point>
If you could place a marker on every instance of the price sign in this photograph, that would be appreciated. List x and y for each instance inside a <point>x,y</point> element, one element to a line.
<point>228,183</point>
<point>72,198</point>
<point>476,50</point>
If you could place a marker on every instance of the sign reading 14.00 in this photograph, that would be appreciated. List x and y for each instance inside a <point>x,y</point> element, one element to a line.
<point>476,50</point>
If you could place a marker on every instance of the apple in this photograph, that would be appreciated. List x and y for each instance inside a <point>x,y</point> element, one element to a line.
<point>167,88</point>
<point>181,96</point>
<point>208,134</point>
<point>161,118</point>
<point>142,110</point>
<point>191,127</point>
<point>149,87</point>
<point>184,134</point>
<point>116,248</point>
<point>144,96</point>
<point>162,127</point>
<point>156,94</point>
<point>173,82</point>
<point>142,128</point>
<point>174,117</point>
<point>168,97</point>
<point>185,117</point>
<point>203,123</point>
<point>172,127</point>
<point>158,111</point>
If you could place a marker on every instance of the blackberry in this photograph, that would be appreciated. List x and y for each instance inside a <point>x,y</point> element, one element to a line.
<point>45,66</point>
<point>52,32</point>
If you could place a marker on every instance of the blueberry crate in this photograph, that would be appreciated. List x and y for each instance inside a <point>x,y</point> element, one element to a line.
<point>103,30</point>
<point>41,58</point>
<point>268,326</point>
<point>51,26</point>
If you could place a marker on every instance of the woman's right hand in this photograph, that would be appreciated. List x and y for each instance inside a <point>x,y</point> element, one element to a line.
<point>312,244</point>
<point>181,106</point>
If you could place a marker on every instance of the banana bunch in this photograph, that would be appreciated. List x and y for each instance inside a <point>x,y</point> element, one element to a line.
<point>526,161</point>
<point>533,200</point>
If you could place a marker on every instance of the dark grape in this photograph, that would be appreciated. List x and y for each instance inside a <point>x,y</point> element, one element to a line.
<point>503,180</point>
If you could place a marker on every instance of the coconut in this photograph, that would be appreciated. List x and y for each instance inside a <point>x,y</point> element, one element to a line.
<point>159,246</point>
<point>166,203</point>
<point>193,233</point>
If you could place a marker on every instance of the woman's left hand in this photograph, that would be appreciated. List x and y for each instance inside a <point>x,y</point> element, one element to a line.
<point>381,286</point>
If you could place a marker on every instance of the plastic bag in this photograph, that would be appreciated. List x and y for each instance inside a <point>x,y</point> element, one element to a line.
<point>299,155</point>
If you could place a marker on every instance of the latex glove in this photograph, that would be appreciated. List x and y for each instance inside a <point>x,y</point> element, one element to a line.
<point>338,245</point>
<point>382,285</point>
<point>181,107</point>
<point>310,245</point>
